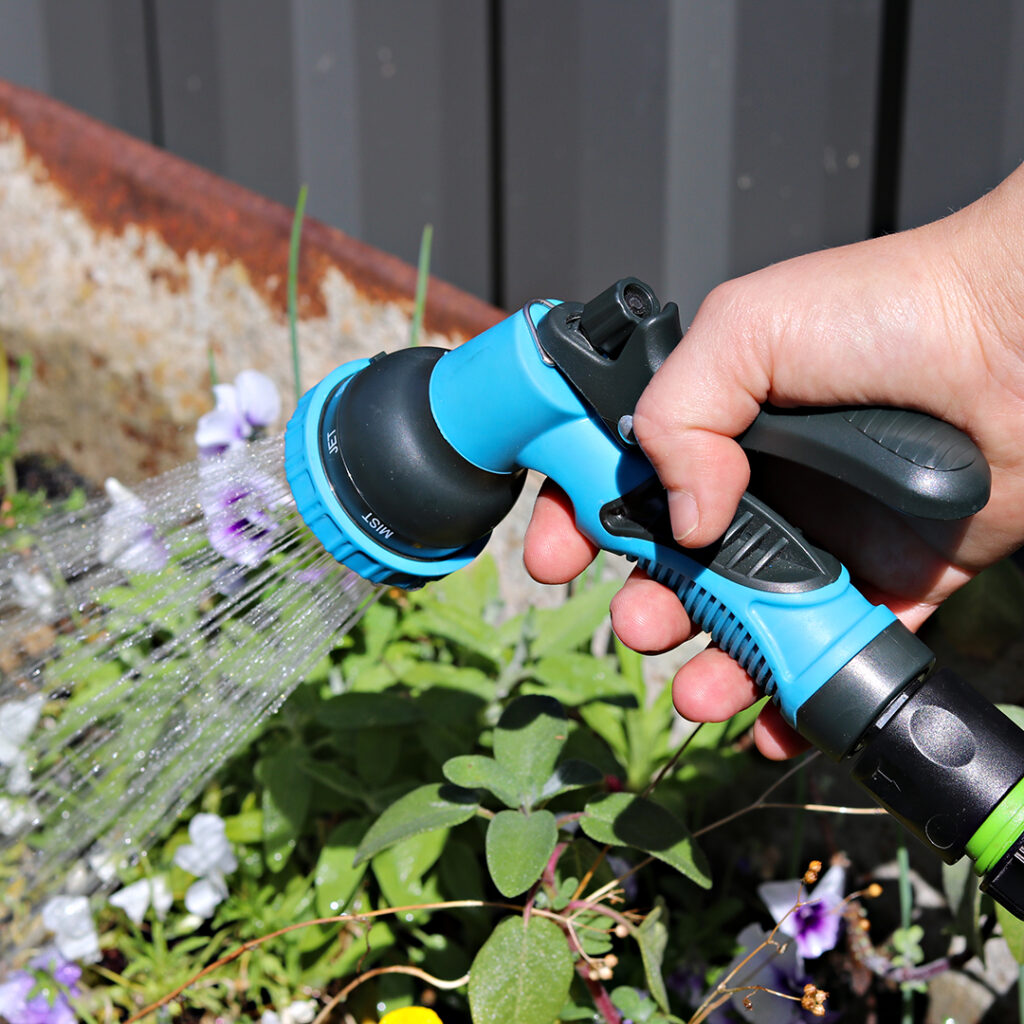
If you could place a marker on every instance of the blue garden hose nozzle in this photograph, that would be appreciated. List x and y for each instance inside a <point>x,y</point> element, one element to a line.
<point>403,464</point>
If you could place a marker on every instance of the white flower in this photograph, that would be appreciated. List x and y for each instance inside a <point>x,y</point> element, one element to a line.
<point>17,720</point>
<point>127,539</point>
<point>249,404</point>
<point>35,593</point>
<point>135,899</point>
<point>204,896</point>
<point>210,857</point>
<point>68,917</point>
<point>302,1011</point>
<point>15,815</point>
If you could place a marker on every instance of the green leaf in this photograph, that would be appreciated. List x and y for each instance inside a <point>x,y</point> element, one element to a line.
<point>522,973</point>
<point>400,869</point>
<point>457,625</point>
<point>652,937</point>
<point>1013,932</point>
<point>367,710</point>
<point>286,793</point>
<point>638,1007</point>
<point>528,738</point>
<point>475,589</point>
<point>477,771</point>
<point>423,675</point>
<point>336,877</point>
<point>963,893</point>
<point>1014,712</point>
<point>578,678</point>
<point>563,629</point>
<point>245,827</point>
<point>423,810</point>
<point>624,819</point>
<point>570,774</point>
<point>518,848</point>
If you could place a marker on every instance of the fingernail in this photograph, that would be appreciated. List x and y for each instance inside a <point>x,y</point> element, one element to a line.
<point>682,510</point>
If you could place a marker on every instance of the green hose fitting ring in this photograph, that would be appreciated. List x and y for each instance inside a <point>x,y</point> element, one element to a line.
<point>999,831</point>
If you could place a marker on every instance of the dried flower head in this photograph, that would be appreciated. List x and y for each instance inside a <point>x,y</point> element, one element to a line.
<point>812,872</point>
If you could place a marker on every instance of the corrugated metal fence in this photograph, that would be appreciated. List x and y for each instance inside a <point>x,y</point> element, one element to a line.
<point>559,144</point>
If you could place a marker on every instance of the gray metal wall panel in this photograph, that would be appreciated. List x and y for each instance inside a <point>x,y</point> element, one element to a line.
<point>803,154</point>
<point>256,96</point>
<point>961,65</point>
<point>1013,109</point>
<point>699,158</point>
<point>584,142</point>
<point>23,55</point>
<point>326,112</point>
<point>189,74</point>
<point>97,61</point>
<point>423,139</point>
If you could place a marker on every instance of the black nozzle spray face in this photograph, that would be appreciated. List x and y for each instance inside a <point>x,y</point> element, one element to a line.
<point>396,475</point>
<point>377,482</point>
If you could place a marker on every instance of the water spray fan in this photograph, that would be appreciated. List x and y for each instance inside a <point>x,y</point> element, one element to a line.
<point>402,465</point>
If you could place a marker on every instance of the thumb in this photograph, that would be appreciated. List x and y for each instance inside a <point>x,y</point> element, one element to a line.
<point>709,390</point>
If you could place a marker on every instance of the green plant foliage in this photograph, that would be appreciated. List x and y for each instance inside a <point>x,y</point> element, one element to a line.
<point>652,937</point>
<point>528,738</point>
<point>425,809</point>
<point>522,973</point>
<point>518,847</point>
<point>624,819</point>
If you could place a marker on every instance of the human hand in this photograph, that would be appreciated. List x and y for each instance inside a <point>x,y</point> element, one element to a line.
<point>931,319</point>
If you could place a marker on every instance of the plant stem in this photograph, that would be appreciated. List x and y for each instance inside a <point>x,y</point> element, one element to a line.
<point>906,902</point>
<point>293,277</point>
<point>759,802</point>
<point>422,279</point>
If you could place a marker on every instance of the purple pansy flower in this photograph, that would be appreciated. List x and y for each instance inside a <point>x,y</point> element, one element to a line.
<point>242,408</point>
<point>236,502</point>
<point>40,996</point>
<point>127,539</point>
<point>816,922</point>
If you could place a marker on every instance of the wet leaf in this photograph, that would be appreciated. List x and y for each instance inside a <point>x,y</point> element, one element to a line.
<point>336,877</point>
<point>518,847</point>
<point>286,792</point>
<point>423,810</point>
<point>522,973</point>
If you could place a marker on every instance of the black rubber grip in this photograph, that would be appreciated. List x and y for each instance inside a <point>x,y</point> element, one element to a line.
<point>910,461</point>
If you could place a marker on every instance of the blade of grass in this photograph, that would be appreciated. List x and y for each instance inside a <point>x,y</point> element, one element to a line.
<point>906,906</point>
<point>293,277</point>
<point>212,362</point>
<point>422,277</point>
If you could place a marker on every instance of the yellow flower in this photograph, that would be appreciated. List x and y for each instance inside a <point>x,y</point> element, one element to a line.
<point>411,1015</point>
